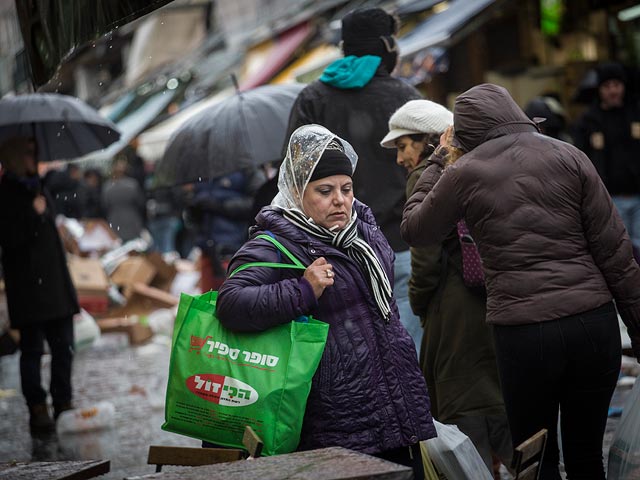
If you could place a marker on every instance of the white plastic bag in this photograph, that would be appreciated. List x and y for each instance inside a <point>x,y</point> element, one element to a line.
<point>455,456</point>
<point>85,330</point>
<point>95,417</point>
<point>624,454</point>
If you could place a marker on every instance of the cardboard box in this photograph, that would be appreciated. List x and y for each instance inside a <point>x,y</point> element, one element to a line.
<point>131,271</point>
<point>137,332</point>
<point>165,272</point>
<point>144,300</point>
<point>88,276</point>
<point>92,284</point>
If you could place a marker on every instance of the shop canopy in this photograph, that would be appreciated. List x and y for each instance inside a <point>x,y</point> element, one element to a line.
<point>264,61</point>
<point>135,122</point>
<point>153,142</point>
<point>442,28</point>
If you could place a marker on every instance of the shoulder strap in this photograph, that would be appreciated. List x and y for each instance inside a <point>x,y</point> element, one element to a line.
<point>297,264</point>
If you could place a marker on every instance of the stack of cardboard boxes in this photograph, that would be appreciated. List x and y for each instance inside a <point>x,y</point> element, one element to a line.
<point>143,280</point>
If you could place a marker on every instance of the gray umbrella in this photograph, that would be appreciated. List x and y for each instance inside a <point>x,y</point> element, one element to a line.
<point>244,130</point>
<point>64,127</point>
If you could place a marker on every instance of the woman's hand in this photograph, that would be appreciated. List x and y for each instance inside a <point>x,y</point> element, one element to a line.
<point>320,275</point>
<point>447,137</point>
<point>442,150</point>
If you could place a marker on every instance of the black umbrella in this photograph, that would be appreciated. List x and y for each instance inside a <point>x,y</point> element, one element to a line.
<point>64,127</point>
<point>245,130</point>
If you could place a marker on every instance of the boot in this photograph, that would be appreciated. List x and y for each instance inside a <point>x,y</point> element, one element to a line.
<point>58,408</point>
<point>39,419</point>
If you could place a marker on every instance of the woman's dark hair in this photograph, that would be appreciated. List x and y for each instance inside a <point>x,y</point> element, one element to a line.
<point>429,140</point>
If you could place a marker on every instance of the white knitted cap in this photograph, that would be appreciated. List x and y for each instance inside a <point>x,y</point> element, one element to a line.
<point>417,116</point>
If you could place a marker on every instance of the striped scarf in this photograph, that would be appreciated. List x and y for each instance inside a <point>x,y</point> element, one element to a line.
<point>357,249</point>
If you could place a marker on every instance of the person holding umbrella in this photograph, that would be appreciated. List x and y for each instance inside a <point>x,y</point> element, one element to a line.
<point>40,295</point>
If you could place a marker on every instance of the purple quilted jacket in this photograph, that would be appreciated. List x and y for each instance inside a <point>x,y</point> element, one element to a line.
<point>368,393</point>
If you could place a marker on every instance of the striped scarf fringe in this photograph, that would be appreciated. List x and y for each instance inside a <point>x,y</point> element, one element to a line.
<point>357,249</point>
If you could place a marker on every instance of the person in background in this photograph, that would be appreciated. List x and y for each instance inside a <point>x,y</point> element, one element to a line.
<point>220,211</point>
<point>92,193</point>
<point>40,295</point>
<point>164,207</point>
<point>354,97</point>
<point>549,115</point>
<point>457,355</point>
<point>123,202</point>
<point>65,187</point>
<point>368,393</point>
<point>555,255</point>
<point>609,133</point>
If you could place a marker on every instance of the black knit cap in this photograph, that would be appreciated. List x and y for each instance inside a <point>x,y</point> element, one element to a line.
<point>610,71</point>
<point>370,31</point>
<point>333,161</point>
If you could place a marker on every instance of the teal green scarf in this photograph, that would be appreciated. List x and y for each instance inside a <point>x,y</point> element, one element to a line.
<point>351,72</point>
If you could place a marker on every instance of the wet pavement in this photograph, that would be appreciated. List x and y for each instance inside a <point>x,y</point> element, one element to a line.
<point>133,379</point>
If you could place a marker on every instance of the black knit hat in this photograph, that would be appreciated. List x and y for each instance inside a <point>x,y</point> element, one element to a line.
<point>367,24</point>
<point>610,71</point>
<point>332,162</point>
<point>370,31</point>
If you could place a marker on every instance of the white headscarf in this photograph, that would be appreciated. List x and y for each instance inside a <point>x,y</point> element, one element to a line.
<point>305,148</point>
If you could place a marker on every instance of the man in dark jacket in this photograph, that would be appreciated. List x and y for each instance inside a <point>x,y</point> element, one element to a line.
<point>609,133</point>
<point>354,98</point>
<point>40,295</point>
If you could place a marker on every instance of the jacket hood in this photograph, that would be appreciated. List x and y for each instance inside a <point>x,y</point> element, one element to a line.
<point>485,112</point>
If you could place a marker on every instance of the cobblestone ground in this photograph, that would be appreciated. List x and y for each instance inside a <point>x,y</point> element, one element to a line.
<point>133,379</point>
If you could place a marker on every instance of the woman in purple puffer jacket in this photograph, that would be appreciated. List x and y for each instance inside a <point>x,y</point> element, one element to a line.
<point>368,393</point>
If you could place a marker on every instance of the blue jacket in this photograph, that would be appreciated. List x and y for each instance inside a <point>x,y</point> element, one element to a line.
<point>368,393</point>
<point>225,226</point>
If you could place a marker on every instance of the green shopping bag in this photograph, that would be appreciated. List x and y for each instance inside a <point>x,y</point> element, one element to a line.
<point>220,381</point>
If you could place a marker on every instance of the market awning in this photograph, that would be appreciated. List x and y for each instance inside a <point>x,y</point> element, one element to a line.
<point>307,67</point>
<point>153,142</point>
<point>267,59</point>
<point>134,123</point>
<point>149,48</point>
<point>416,6</point>
<point>440,28</point>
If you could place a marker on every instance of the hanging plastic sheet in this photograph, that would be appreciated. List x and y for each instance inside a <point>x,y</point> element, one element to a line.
<point>52,29</point>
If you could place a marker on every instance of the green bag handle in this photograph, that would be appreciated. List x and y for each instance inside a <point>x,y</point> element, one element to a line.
<point>297,264</point>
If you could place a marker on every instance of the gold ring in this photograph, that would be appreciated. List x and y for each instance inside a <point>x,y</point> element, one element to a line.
<point>329,273</point>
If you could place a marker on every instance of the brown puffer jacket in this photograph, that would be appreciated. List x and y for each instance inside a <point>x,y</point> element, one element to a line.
<point>551,241</point>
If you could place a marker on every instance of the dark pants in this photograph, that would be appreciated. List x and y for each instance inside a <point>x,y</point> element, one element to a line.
<point>59,336</point>
<point>408,456</point>
<point>572,364</point>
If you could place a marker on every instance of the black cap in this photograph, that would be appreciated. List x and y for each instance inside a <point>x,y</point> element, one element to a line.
<point>332,162</point>
<point>363,28</point>
<point>610,71</point>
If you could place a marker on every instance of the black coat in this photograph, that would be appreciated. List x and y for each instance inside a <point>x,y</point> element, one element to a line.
<point>37,280</point>
<point>611,139</point>
<point>361,117</point>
